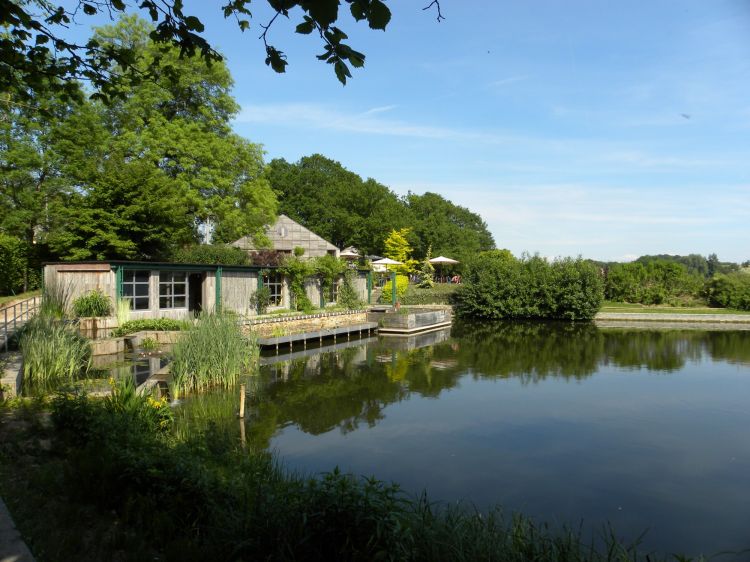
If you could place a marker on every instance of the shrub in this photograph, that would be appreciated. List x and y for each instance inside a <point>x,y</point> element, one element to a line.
<point>260,300</point>
<point>53,354</point>
<point>438,294</point>
<point>150,324</point>
<point>267,258</point>
<point>348,297</point>
<point>497,285</point>
<point>213,353</point>
<point>329,268</point>
<point>212,254</point>
<point>94,303</point>
<point>143,412</point>
<point>402,284</point>
<point>296,271</point>
<point>427,271</point>
<point>731,290</point>
<point>652,282</point>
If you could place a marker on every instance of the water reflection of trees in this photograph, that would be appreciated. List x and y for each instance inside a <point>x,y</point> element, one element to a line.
<point>349,387</point>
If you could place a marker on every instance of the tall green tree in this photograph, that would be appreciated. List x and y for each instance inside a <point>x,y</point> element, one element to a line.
<point>335,203</point>
<point>450,229</point>
<point>157,165</point>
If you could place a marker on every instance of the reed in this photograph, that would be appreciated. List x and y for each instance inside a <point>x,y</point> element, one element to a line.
<point>53,354</point>
<point>122,311</point>
<point>55,299</point>
<point>213,353</point>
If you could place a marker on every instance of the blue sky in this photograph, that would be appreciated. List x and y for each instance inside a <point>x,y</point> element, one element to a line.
<point>605,129</point>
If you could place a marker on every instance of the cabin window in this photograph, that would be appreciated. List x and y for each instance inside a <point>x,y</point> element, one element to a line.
<point>333,292</point>
<point>135,289</point>
<point>274,283</point>
<point>172,289</point>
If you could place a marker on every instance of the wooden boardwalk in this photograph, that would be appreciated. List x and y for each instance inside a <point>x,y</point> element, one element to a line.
<point>14,316</point>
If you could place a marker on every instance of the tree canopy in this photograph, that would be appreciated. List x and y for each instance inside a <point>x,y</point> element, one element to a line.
<point>340,206</point>
<point>35,52</point>
<point>138,177</point>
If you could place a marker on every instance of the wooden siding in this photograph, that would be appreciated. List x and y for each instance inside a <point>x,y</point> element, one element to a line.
<point>81,282</point>
<point>236,289</point>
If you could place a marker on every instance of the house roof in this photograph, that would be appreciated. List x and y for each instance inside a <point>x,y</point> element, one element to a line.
<point>286,234</point>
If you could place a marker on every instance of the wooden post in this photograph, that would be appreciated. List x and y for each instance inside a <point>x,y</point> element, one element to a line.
<point>242,434</point>
<point>242,402</point>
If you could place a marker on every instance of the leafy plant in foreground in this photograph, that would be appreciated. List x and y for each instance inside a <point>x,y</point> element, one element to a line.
<point>94,303</point>
<point>150,324</point>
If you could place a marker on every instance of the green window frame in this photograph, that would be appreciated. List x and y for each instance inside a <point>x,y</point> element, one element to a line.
<point>135,288</point>
<point>274,282</point>
<point>173,289</point>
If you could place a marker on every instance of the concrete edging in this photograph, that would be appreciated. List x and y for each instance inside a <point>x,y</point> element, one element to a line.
<point>12,547</point>
<point>667,317</point>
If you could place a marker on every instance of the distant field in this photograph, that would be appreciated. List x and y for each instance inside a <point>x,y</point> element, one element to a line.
<point>665,309</point>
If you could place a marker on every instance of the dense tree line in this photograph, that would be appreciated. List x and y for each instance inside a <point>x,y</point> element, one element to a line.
<point>345,209</point>
<point>695,263</point>
<point>678,280</point>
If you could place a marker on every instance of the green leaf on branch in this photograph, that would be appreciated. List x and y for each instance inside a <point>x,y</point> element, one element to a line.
<point>379,16</point>
<point>306,27</point>
<point>342,71</point>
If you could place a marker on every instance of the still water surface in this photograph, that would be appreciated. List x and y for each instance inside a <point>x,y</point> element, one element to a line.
<point>644,429</point>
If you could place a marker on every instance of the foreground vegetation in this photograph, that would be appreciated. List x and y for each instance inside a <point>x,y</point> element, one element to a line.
<point>116,483</point>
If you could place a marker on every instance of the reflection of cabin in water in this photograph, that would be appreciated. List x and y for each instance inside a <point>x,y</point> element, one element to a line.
<point>179,290</point>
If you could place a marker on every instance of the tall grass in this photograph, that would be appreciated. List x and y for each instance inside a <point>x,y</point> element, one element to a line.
<point>55,299</point>
<point>213,353</point>
<point>122,311</point>
<point>53,354</point>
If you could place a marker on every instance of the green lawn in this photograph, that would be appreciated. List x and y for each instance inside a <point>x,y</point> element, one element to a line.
<point>22,296</point>
<point>609,306</point>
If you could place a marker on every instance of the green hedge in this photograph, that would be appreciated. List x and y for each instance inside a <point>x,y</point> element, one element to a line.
<point>438,294</point>
<point>730,291</point>
<point>497,286</point>
<point>211,254</point>
<point>151,324</point>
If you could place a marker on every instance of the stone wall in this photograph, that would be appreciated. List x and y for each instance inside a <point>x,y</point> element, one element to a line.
<point>301,324</point>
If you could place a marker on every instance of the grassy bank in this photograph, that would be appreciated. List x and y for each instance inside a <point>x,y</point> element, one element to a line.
<point>10,299</point>
<point>114,484</point>
<point>610,306</point>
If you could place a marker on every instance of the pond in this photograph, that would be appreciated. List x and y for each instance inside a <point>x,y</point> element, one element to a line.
<point>644,429</point>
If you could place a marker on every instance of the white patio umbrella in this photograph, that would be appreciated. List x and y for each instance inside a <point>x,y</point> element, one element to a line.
<point>440,260</point>
<point>386,262</point>
<point>350,252</point>
<point>443,259</point>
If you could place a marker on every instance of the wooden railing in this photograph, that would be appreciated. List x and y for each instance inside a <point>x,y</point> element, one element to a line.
<point>13,316</point>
